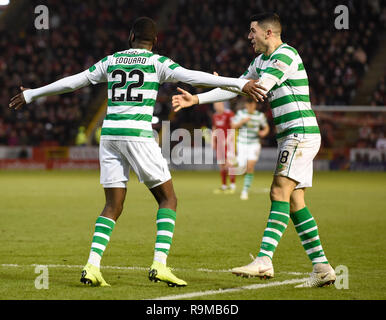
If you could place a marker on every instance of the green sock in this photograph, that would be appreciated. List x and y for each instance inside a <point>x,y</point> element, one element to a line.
<point>165,227</point>
<point>277,223</point>
<point>247,181</point>
<point>103,229</point>
<point>307,230</point>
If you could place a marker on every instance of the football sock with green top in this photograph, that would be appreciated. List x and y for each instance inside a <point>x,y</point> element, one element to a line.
<point>247,181</point>
<point>277,223</point>
<point>166,219</point>
<point>103,229</point>
<point>307,230</point>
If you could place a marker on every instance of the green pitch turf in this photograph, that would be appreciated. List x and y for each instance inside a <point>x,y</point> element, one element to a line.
<point>47,218</point>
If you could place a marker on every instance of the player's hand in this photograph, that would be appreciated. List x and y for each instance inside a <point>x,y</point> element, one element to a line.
<point>183,100</point>
<point>255,90</point>
<point>18,101</point>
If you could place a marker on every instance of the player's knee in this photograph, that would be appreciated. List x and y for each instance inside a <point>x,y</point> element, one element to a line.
<point>274,193</point>
<point>278,193</point>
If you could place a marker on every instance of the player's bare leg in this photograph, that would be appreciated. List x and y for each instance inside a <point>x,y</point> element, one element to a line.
<point>282,188</point>
<point>115,197</point>
<point>104,226</point>
<point>165,195</point>
<point>166,217</point>
<point>322,274</point>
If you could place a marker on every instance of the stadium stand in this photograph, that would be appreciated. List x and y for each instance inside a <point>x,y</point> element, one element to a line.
<point>209,36</point>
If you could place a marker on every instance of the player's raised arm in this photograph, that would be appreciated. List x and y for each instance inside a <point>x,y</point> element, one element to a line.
<point>235,85</point>
<point>95,74</point>
<point>64,85</point>
<point>256,89</point>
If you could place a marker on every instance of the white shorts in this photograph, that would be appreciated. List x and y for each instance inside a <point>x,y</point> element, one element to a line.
<point>246,152</point>
<point>116,157</point>
<point>295,158</point>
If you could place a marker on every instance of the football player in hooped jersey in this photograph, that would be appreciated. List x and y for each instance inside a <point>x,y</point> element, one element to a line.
<point>279,69</point>
<point>222,141</point>
<point>133,77</point>
<point>253,126</point>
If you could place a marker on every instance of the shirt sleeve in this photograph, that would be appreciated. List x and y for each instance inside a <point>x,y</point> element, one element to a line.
<point>98,72</point>
<point>164,67</point>
<point>282,65</point>
<point>218,94</point>
<point>169,71</point>
<point>250,73</point>
<point>67,84</point>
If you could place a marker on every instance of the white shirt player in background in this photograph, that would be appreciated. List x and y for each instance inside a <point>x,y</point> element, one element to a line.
<point>252,125</point>
<point>133,77</point>
<point>279,68</point>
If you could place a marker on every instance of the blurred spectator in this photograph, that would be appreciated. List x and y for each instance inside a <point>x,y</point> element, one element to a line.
<point>381,142</point>
<point>379,96</point>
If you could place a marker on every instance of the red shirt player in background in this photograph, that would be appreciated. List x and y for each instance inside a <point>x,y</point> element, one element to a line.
<point>222,142</point>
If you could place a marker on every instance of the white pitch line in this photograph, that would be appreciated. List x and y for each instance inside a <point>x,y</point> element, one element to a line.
<point>11,265</point>
<point>229,290</point>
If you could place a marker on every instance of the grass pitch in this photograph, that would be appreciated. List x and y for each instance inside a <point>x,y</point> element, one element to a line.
<point>47,218</point>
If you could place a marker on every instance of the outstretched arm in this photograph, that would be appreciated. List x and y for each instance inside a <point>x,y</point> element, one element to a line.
<point>236,85</point>
<point>186,99</point>
<point>67,84</point>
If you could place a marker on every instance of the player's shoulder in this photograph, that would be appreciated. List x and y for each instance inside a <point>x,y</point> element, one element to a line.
<point>287,50</point>
<point>256,60</point>
<point>162,59</point>
<point>165,62</point>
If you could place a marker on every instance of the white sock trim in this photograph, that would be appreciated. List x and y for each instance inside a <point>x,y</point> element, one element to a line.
<point>160,256</point>
<point>94,259</point>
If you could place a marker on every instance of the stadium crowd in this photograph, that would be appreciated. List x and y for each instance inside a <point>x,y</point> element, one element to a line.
<point>210,35</point>
<point>379,95</point>
<point>77,38</point>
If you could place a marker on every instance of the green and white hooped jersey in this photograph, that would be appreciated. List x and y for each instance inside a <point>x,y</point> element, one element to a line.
<point>248,132</point>
<point>133,77</point>
<point>289,98</point>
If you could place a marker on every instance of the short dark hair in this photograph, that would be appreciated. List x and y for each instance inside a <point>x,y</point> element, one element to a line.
<point>144,29</point>
<point>267,17</point>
